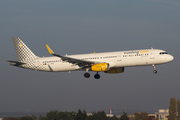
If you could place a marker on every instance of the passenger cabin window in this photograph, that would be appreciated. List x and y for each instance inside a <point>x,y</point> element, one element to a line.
<point>161,53</point>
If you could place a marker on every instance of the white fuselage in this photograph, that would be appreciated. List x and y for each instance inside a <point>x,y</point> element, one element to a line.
<point>115,59</point>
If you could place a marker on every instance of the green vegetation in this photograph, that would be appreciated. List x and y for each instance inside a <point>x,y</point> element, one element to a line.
<point>141,115</point>
<point>113,118</point>
<point>174,114</point>
<point>178,108</point>
<point>124,116</point>
<point>21,118</point>
<point>172,109</point>
<point>58,115</point>
<point>28,118</point>
<point>80,115</point>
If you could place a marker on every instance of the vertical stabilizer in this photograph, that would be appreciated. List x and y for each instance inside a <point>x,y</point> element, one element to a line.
<point>24,54</point>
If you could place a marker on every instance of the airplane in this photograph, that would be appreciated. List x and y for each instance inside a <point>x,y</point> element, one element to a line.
<point>107,62</point>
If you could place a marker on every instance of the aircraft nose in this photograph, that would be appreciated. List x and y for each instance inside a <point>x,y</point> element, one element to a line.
<point>171,58</point>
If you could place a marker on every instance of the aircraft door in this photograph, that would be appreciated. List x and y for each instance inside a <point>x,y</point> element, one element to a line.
<point>119,57</point>
<point>152,56</point>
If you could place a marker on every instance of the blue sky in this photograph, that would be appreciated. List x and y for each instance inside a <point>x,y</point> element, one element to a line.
<point>74,27</point>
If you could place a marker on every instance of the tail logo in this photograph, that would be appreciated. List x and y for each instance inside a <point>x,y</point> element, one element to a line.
<point>24,54</point>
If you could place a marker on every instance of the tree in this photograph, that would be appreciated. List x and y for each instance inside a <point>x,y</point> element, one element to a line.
<point>10,118</point>
<point>124,116</point>
<point>28,118</point>
<point>113,118</point>
<point>40,117</point>
<point>81,115</point>
<point>43,118</point>
<point>90,118</point>
<point>178,108</point>
<point>172,109</point>
<point>100,115</point>
<point>141,116</point>
<point>71,115</point>
<point>52,115</point>
<point>56,115</point>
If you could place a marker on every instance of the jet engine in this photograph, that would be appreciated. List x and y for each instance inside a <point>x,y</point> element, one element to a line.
<point>100,67</point>
<point>115,70</point>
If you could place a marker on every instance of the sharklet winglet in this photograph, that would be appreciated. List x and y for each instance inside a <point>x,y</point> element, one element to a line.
<point>49,49</point>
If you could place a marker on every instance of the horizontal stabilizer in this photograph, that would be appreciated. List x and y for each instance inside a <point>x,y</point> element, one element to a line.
<point>15,63</point>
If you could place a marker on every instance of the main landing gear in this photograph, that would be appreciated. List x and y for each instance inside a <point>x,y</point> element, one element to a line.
<point>97,76</point>
<point>87,75</point>
<point>154,67</point>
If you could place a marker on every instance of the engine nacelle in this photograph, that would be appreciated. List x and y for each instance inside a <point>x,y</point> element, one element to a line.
<point>115,70</point>
<point>100,67</point>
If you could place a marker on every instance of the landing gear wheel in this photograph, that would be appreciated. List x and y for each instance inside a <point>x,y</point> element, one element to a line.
<point>86,75</point>
<point>97,76</point>
<point>154,71</point>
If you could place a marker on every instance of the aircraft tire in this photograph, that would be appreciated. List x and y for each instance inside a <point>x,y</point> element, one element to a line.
<point>96,76</point>
<point>155,71</point>
<point>86,75</point>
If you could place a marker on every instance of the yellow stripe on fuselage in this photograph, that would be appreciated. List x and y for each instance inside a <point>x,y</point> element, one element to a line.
<point>144,51</point>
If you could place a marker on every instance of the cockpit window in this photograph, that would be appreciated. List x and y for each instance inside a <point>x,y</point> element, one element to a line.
<point>161,53</point>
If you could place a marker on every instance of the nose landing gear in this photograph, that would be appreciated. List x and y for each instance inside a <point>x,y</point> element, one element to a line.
<point>154,67</point>
<point>154,71</point>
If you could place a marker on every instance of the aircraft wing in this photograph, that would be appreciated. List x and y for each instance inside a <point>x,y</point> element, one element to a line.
<point>79,62</point>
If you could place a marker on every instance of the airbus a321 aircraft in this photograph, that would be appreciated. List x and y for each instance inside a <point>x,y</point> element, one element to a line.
<point>108,62</point>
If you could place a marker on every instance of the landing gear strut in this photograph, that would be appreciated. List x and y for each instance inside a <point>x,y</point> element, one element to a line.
<point>97,76</point>
<point>154,67</point>
<point>87,75</point>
